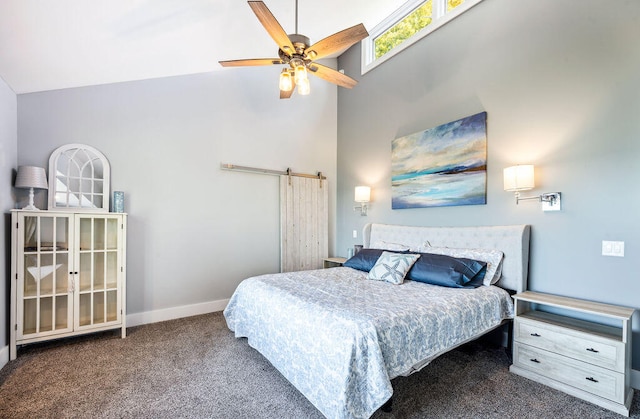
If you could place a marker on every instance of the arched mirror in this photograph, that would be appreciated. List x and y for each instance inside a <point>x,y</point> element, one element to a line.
<point>78,179</point>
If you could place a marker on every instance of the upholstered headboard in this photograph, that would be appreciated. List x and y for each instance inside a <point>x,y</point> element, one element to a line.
<point>512,240</point>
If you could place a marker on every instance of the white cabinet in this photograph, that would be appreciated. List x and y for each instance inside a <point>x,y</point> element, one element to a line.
<point>590,359</point>
<point>68,275</point>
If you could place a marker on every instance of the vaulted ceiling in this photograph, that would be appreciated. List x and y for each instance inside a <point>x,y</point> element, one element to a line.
<point>47,45</point>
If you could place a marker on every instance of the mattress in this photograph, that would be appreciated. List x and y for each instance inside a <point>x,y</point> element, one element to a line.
<point>340,338</point>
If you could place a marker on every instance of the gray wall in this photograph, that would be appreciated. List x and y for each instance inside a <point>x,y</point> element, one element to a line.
<point>195,231</point>
<point>559,81</point>
<point>8,158</point>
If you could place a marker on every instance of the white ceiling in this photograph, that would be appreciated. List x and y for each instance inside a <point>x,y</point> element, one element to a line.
<point>47,45</point>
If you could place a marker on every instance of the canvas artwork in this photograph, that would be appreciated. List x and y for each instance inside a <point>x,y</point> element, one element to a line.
<point>442,166</point>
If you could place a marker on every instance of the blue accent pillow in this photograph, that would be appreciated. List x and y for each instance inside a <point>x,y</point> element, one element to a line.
<point>448,271</point>
<point>364,260</point>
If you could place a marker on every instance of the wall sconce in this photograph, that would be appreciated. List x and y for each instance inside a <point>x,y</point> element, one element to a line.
<point>31,177</point>
<point>362,196</point>
<point>521,178</point>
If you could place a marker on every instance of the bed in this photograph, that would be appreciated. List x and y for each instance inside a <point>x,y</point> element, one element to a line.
<point>340,338</point>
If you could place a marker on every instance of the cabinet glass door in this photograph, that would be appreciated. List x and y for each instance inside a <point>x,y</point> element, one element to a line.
<point>44,287</point>
<point>98,298</point>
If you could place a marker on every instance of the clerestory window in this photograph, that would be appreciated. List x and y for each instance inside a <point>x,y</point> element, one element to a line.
<point>407,25</point>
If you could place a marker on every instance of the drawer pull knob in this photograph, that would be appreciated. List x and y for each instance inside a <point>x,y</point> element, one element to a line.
<point>591,379</point>
<point>537,362</point>
<point>535,334</point>
<point>593,350</point>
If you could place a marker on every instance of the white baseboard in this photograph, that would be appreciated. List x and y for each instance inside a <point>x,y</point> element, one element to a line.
<point>138,319</point>
<point>4,356</point>
<point>635,379</point>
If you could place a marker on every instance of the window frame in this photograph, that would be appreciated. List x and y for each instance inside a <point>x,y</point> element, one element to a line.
<point>440,18</point>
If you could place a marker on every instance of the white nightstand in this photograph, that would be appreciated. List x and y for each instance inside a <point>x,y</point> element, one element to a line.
<point>586,359</point>
<point>333,262</point>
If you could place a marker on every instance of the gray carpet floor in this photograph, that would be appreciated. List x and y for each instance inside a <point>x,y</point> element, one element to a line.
<point>196,368</point>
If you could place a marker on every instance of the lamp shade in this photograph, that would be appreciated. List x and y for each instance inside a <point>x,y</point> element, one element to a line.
<point>31,177</point>
<point>304,88</point>
<point>300,73</point>
<point>519,178</point>
<point>285,81</point>
<point>362,194</point>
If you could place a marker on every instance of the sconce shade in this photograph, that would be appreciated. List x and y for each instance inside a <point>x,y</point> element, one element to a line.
<point>31,177</point>
<point>519,178</point>
<point>362,194</point>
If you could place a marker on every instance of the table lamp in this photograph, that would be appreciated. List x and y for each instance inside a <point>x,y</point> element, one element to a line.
<point>31,177</point>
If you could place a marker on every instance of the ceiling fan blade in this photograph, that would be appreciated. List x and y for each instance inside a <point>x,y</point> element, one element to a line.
<point>251,62</point>
<point>272,26</point>
<point>287,94</point>
<point>331,75</point>
<point>337,42</point>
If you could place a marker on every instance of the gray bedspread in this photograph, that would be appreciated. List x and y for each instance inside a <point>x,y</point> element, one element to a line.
<point>340,338</point>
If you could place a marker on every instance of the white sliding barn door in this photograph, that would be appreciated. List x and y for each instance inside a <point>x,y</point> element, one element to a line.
<point>304,223</point>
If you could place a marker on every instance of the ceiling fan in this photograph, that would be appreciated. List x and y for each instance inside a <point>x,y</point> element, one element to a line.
<point>297,53</point>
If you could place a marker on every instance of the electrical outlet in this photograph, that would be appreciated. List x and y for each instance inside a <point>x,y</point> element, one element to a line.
<point>612,248</point>
<point>355,234</point>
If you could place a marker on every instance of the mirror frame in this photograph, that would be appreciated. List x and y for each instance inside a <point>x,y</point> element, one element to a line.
<point>71,150</point>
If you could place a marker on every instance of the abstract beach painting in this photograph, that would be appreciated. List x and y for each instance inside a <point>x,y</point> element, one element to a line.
<point>442,166</point>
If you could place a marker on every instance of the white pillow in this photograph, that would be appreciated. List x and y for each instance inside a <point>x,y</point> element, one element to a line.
<point>392,267</point>
<point>381,244</point>
<point>493,257</point>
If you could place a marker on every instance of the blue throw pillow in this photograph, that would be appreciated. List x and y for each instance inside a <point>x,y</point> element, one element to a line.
<point>448,271</point>
<point>364,260</point>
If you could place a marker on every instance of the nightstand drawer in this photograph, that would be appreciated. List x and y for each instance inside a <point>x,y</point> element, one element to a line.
<point>590,348</point>
<point>598,381</point>
<point>333,262</point>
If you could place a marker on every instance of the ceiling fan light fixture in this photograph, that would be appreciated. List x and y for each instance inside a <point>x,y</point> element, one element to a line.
<point>304,88</point>
<point>296,52</point>
<point>301,74</point>
<point>285,80</point>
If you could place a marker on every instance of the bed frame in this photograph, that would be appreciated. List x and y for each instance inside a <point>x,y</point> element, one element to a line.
<point>512,240</point>
<point>248,312</point>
